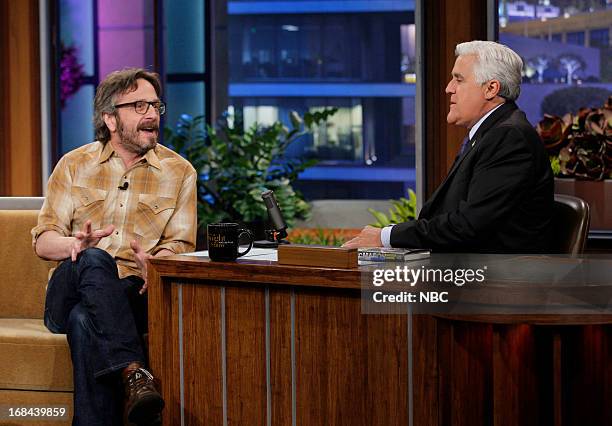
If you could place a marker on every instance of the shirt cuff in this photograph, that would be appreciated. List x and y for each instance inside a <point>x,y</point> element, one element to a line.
<point>176,247</point>
<point>39,229</point>
<point>385,236</point>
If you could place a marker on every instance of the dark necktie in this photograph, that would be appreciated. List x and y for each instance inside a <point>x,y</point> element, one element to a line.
<point>465,145</point>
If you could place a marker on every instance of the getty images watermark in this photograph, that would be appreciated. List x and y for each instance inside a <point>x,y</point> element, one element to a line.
<point>433,283</point>
<point>476,284</point>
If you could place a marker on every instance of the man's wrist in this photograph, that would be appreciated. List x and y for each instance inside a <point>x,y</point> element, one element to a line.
<point>164,252</point>
<point>69,242</point>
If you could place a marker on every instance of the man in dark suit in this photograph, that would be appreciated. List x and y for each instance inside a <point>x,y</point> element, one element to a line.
<point>498,196</point>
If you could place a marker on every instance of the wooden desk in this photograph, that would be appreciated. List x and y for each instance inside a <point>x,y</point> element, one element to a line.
<point>255,343</point>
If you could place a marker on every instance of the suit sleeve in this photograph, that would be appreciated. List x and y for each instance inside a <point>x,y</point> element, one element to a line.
<point>500,182</point>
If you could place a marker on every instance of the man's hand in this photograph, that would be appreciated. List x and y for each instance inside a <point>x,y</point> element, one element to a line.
<point>141,257</point>
<point>87,238</point>
<point>368,237</point>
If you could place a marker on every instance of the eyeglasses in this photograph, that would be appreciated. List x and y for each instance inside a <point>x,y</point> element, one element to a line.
<point>141,107</point>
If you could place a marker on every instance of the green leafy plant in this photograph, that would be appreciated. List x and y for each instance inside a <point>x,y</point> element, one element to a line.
<point>403,210</point>
<point>555,165</point>
<point>235,165</point>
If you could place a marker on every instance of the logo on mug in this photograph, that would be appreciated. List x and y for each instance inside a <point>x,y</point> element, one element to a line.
<point>224,241</point>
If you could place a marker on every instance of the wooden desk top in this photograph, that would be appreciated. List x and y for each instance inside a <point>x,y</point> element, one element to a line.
<point>256,271</point>
<point>516,283</point>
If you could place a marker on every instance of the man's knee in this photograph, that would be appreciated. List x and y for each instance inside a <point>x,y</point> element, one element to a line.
<point>78,325</point>
<point>96,257</point>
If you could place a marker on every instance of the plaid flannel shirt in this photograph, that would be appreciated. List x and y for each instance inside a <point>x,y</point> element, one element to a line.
<point>158,207</point>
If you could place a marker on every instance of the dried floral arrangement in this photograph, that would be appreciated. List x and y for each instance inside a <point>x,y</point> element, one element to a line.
<point>580,145</point>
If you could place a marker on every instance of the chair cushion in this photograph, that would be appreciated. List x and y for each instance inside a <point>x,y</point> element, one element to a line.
<point>23,276</point>
<point>33,358</point>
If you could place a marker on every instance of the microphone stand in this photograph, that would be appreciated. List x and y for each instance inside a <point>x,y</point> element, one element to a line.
<point>277,235</point>
<point>273,239</point>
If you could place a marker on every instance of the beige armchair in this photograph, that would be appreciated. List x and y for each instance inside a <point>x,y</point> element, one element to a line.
<point>35,365</point>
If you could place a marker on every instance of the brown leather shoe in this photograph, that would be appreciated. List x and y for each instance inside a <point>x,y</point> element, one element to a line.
<point>143,401</point>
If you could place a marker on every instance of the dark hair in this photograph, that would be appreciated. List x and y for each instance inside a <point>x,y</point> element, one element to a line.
<point>118,83</point>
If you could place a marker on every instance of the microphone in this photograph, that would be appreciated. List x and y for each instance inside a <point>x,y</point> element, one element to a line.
<point>279,227</point>
<point>274,213</point>
<point>124,186</point>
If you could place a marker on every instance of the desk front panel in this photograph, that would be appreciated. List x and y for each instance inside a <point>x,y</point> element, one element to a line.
<point>265,344</point>
<point>252,354</point>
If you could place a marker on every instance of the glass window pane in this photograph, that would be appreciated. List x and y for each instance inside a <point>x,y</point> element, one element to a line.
<point>76,120</point>
<point>576,38</point>
<point>565,59</point>
<point>183,98</point>
<point>125,35</point>
<point>568,66</point>
<point>76,30</point>
<point>288,42</point>
<point>184,33</point>
<point>361,63</point>
<point>600,38</point>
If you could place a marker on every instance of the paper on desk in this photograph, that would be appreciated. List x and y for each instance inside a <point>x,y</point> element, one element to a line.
<point>255,254</point>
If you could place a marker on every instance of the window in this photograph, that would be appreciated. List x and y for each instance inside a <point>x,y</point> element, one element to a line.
<point>562,59</point>
<point>576,38</point>
<point>320,54</point>
<point>568,69</point>
<point>77,59</point>
<point>600,38</point>
<point>185,71</point>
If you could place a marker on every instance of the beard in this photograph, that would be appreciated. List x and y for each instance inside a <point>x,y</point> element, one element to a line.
<point>133,142</point>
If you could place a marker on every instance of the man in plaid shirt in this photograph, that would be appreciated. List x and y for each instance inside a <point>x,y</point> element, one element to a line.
<point>110,206</point>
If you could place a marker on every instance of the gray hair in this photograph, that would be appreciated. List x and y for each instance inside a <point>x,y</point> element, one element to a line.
<point>495,61</point>
<point>117,83</point>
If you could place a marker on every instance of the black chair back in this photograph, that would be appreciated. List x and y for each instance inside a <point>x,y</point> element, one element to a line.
<point>570,224</point>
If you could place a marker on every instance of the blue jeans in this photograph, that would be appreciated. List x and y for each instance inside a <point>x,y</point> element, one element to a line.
<point>103,317</point>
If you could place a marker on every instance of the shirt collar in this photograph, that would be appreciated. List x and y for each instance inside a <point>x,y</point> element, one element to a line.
<point>151,155</point>
<point>475,127</point>
<point>152,158</point>
<point>107,152</point>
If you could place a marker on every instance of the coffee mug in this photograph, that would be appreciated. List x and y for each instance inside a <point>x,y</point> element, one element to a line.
<point>223,241</point>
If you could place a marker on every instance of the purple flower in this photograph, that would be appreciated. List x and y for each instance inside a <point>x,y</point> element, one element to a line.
<point>71,74</point>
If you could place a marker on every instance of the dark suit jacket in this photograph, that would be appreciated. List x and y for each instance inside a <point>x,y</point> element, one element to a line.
<point>497,198</point>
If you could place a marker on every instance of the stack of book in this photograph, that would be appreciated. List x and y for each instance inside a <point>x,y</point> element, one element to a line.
<point>382,254</point>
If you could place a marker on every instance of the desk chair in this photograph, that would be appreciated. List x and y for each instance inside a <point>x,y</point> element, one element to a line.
<point>570,230</point>
<point>570,224</point>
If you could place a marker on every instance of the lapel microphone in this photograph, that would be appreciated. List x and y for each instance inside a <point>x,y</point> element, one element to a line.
<point>124,186</point>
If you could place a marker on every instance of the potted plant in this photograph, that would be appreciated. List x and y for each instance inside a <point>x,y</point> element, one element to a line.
<point>403,210</point>
<point>580,149</point>
<point>235,165</point>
